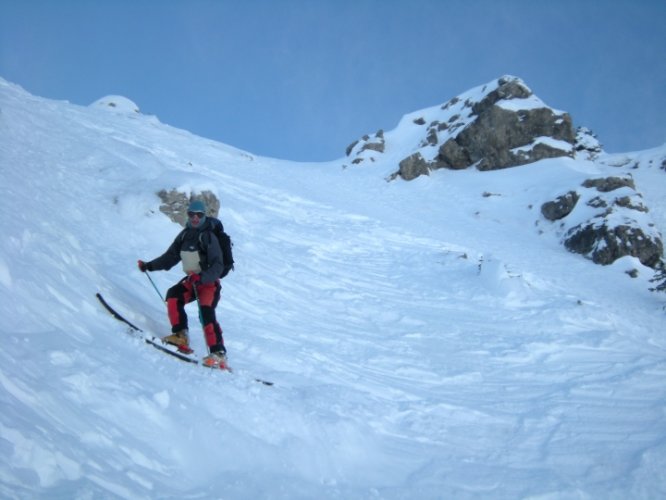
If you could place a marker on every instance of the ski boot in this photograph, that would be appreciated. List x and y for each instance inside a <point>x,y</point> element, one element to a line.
<point>179,339</point>
<point>217,359</point>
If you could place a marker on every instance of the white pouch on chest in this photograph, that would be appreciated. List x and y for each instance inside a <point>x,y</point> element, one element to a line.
<point>190,260</point>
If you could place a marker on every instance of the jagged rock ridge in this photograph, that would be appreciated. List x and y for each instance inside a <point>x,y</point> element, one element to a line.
<point>498,125</point>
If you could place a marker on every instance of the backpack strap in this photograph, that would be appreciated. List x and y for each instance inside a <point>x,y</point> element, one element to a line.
<point>202,243</point>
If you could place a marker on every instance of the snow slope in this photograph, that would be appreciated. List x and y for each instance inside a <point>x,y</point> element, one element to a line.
<point>429,339</point>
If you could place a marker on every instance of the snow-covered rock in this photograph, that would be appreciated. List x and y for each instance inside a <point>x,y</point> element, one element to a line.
<point>610,221</point>
<point>498,125</point>
<point>116,103</point>
<point>587,145</point>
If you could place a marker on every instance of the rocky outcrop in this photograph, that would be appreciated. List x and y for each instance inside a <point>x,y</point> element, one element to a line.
<point>366,143</point>
<point>507,133</point>
<point>616,227</point>
<point>587,146</point>
<point>604,243</point>
<point>174,204</point>
<point>413,166</point>
<point>560,207</point>
<point>499,125</point>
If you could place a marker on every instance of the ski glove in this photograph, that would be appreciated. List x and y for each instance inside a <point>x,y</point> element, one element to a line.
<point>144,266</point>
<point>194,278</point>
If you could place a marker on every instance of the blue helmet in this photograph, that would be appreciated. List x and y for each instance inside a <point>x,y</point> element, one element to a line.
<point>196,207</point>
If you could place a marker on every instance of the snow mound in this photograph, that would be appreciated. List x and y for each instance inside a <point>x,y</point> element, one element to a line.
<point>116,103</point>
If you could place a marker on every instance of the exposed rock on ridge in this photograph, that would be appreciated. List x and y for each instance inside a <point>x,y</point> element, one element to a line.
<point>508,130</point>
<point>499,125</point>
<point>616,225</point>
<point>366,143</point>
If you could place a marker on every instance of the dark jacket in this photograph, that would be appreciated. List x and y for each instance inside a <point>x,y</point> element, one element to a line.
<point>190,239</point>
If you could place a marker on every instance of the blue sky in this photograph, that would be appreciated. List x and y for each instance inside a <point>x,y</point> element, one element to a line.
<point>301,79</point>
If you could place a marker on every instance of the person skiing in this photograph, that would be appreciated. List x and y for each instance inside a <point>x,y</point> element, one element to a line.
<point>199,251</point>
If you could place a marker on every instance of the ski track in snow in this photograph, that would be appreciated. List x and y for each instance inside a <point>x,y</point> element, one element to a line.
<point>425,341</point>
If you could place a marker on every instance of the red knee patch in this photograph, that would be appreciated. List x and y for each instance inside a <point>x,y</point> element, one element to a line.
<point>172,311</point>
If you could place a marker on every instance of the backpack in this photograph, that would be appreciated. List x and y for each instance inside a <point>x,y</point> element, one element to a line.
<point>225,245</point>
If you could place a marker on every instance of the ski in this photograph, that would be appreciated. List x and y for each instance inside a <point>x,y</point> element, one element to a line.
<point>115,314</point>
<point>158,344</point>
<point>161,346</point>
<point>153,341</point>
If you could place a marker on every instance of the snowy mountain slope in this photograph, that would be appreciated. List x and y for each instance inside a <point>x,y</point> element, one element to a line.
<point>426,341</point>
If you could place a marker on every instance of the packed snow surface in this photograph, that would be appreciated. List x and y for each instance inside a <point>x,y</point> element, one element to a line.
<point>427,339</point>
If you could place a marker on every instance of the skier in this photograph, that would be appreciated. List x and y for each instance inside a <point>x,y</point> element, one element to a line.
<point>199,251</point>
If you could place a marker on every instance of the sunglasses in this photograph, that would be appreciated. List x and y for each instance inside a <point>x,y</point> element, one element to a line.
<point>191,215</point>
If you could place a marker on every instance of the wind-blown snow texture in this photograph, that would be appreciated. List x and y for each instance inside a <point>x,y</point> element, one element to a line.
<point>426,341</point>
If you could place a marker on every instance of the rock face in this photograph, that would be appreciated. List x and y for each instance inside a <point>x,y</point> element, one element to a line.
<point>499,125</point>
<point>413,166</point>
<point>366,143</point>
<point>506,132</point>
<point>560,207</point>
<point>616,227</point>
<point>174,204</point>
<point>605,243</point>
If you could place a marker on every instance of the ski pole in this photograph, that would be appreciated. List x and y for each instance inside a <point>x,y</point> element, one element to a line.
<point>154,286</point>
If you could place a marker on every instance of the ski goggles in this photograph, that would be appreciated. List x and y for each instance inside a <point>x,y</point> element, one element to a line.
<point>199,215</point>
